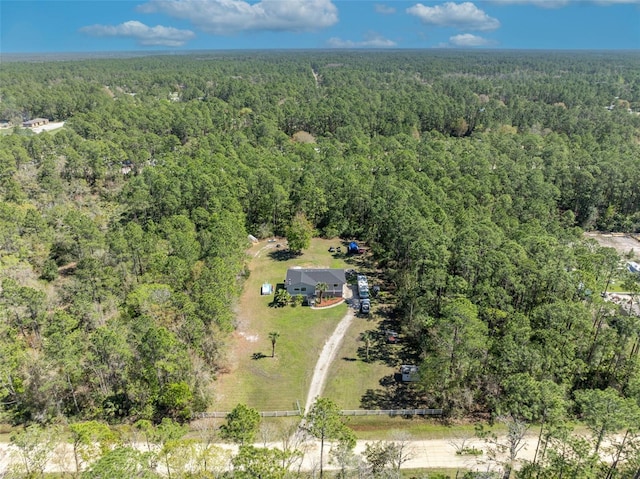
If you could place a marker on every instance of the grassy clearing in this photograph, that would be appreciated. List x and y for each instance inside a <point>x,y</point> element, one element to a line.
<point>255,378</point>
<point>351,376</point>
<point>358,380</point>
<point>385,427</point>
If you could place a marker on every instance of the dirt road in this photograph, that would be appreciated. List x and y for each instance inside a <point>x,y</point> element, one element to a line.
<point>327,355</point>
<point>432,453</point>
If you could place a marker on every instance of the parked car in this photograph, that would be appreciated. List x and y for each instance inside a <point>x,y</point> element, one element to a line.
<point>365,306</point>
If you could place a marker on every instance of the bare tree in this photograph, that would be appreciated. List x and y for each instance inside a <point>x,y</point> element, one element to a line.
<point>403,450</point>
<point>504,450</point>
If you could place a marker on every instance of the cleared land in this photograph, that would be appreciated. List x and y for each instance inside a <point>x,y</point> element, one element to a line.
<point>623,244</point>
<point>48,127</point>
<point>254,377</point>
<point>275,384</point>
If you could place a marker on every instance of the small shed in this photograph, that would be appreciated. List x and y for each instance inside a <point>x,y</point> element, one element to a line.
<point>409,372</point>
<point>633,267</point>
<point>252,238</point>
<point>266,289</point>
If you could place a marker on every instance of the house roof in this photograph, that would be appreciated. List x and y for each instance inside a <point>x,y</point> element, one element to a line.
<point>314,276</point>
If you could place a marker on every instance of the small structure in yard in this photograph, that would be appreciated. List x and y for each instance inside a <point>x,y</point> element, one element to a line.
<point>252,238</point>
<point>266,289</point>
<point>409,372</point>
<point>35,122</point>
<point>633,267</point>
<point>353,248</point>
<point>303,282</point>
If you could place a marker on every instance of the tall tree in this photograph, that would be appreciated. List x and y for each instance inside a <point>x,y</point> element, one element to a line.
<point>324,422</point>
<point>299,233</point>
<point>273,337</point>
<point>90,440</point>
<point>604,412</point>
<point>242,425</point>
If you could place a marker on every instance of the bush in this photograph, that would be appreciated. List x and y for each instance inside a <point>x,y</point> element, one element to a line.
<point>281,298</point>
<point>469,451</point>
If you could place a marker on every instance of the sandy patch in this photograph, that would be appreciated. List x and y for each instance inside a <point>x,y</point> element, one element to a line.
<point>622,243</point>
<point>48,127</point>
<point>252,338</point>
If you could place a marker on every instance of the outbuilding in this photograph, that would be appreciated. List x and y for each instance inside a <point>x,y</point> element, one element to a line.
<point>409,372</point>
<point>35,122</point>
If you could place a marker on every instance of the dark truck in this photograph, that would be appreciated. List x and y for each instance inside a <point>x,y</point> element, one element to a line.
<point>365,306</point>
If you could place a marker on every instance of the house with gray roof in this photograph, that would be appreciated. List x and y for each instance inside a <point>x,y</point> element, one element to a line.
<point>301,281</point>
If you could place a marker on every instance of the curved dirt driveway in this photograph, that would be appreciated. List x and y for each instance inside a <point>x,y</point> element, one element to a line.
<point>328,354</point>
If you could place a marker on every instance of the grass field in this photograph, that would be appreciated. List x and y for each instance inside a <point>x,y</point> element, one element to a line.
<point>351,376</point>
<point>254,377</point>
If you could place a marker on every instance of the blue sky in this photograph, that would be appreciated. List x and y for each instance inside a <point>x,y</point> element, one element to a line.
<point>124,25</point>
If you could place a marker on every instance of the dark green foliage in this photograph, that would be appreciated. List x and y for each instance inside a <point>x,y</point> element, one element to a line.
<point>241,426</point>
<point>299,233</point>
<point>470,177</point>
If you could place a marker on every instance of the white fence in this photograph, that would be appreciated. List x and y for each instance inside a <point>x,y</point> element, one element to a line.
<point>347,412</point>
<point>392,412</point>
<point>202,415</point>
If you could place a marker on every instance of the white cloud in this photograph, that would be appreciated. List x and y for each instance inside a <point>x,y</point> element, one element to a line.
<point>459,15</point>
<point>563,3</point>
<point>224,17</point>
<point>384,9</point>
<point>469,40</point>
<point>145,35</point>
<point>371,40</point>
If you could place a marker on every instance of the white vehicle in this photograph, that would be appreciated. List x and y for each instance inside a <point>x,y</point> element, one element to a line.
<point>363,286</point>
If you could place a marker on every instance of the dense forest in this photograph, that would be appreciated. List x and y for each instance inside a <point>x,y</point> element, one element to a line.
<point>471,176</point>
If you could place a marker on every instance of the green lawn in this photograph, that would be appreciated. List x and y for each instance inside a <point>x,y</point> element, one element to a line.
<point>351,376</point>
<point>276,383</point>
<point>385,427</point>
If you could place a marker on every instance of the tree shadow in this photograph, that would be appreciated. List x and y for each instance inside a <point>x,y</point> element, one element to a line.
<point>256,356</point>
<point>391,352</point>
<point>349,359</point>
<point>283,254</point>
<point>393,394</point>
